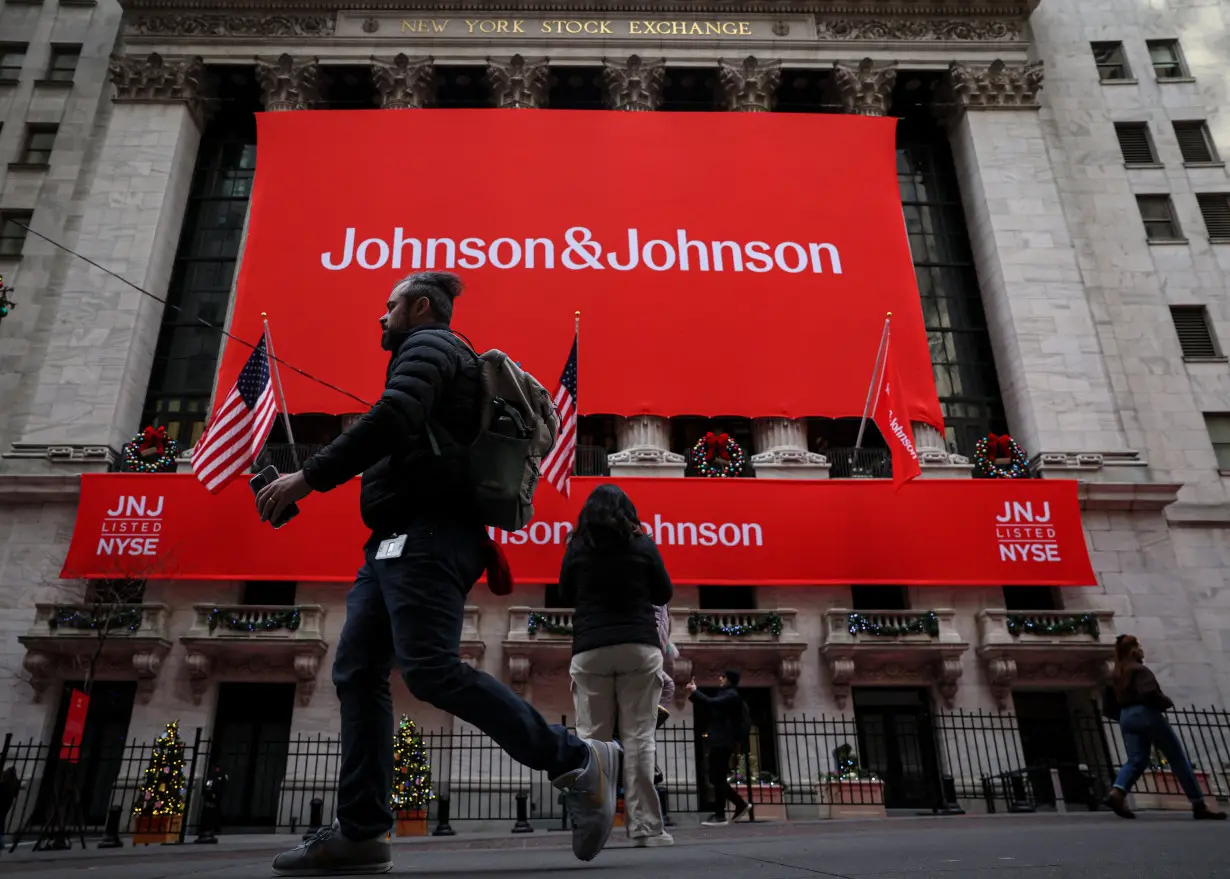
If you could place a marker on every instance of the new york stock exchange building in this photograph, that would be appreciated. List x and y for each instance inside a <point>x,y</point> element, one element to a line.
<point>717,190</point>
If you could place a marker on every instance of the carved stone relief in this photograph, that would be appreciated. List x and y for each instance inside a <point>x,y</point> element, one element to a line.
<point>518,84</point>
<point>997,86</point>
<point>750,86</point>
<point>208,24</point>
<point>405,84</point>
<point>152,79</point>
<point>288,84</point>
<point>918,30</point>
<point>866,89</point>
<point>635,84</point>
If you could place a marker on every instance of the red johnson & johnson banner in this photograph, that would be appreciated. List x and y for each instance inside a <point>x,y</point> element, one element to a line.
<point>711,531</point>
<point>712,278</point>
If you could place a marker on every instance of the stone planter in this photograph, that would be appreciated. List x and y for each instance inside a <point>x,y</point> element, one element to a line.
<point>1159,789</point>
<point>156,829</point>
<point>852,798</point>
<point>412,823</point>
<point>769,800</point>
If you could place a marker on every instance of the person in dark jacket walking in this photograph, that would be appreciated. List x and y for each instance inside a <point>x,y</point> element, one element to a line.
<point>725,734</point>
<point>1142,720</point>
<point>613,575</point>
<point>427,550</point>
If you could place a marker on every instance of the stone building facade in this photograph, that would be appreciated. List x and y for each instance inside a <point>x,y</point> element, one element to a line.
<point>1071,154</point>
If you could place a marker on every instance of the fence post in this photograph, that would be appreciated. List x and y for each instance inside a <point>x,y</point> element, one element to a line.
<point>196,750</point>
<point>523,817</point>
<point>443,828</point>
<point>747,774</point>
<point>111,833</point>
<point>316,816</point>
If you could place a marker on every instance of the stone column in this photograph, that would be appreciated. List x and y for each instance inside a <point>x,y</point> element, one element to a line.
<point>780,444</point>
<point>518,84</point>
<point>643,442</point>
<point>287,83</point>
<point>867,90</point>
<point>1039,318</point>
<point>86,398</point>
<point>405,84</point>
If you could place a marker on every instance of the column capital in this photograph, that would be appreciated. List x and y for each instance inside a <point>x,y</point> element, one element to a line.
<point>152,79</point>
<point>405,83</point>
<point>518,84</point>
<point>866,89</point>
<point>287,83</point>
<point>996,86</point>
<point>750,85</point>
<point>635,84</point>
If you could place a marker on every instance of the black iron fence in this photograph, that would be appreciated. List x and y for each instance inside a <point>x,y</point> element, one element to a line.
<point>798,767</point>
<point>874,463</point>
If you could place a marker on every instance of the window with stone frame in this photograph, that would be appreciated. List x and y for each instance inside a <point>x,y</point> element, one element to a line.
<point>1197,339</point>
<point>13,232</point>
<point>1218,426</point>
<point>1195,142</point>
<point>1167,59</point>
<point>1215,210</point>
<point>869,598</point>
<point>63,64</point>
<point>1157,213</point>
<point>1136,144</point>
<point>1032,598</point>
<point>203,273</point>
<point>39,144</point>
<point>1111,61</point>
<point>12,58</point>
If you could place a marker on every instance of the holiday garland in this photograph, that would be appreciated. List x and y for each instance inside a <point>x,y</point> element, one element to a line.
<point>992,447</point>
<point>151,451</point>
<point>923,624</point>
<point>847,766</point>
<point>1085,624</point>
<point>703,623</point>
<point>241,622</point>
<point>717,455</point>
<point>411,770</point>
<point>129,618</point>
<point>162,789</point>
<point>544,622</point>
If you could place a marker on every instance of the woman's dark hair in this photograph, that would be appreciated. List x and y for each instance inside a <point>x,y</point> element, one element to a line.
<point>607,521</point>
<point>1125,663</point>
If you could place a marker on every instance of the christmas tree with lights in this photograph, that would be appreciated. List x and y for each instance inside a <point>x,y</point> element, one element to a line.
<point>411,769</point>
<point>162,789</point>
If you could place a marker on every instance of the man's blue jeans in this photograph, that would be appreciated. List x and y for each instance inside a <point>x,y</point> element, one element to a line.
<point>410,610</point>
<point>1144,729</point>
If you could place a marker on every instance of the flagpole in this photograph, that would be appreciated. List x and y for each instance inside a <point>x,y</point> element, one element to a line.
<point>875,386</point>
<point>277,379</point>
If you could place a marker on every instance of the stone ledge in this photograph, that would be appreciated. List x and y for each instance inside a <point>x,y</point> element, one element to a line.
<point>1127,496</point>
<point>21,489</point>
<point>1189,514</point>
<point>1123,465</point>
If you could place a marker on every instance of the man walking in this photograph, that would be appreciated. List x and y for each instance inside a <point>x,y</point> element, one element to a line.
<point>426,551</point>
<point>725,733</point>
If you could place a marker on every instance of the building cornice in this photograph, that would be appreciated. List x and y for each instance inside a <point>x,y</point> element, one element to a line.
<point>18,488</point>
<point>913,8</point>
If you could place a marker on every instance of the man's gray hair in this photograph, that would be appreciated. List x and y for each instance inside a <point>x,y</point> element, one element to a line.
<point>440,288</point>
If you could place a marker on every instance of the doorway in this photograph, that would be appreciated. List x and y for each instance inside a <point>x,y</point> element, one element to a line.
<point>251,742</point>
<point>101,755</point>
<point>1048,741</point>
<point>896,741</point>
<point>762,739</point>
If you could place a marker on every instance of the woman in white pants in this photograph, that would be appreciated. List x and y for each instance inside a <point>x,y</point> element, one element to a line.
<point>614,576</point>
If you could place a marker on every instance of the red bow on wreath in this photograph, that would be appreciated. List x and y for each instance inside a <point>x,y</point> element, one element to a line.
<point>153,441</point>
<point>717,446</point>
<point>999,446</point>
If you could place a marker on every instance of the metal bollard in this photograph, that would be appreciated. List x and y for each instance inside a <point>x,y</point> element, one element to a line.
<point>111,832</point>
<point>523,815</point>
<point>443,828</point>
<point>664,799</point>
<point>316,816</point>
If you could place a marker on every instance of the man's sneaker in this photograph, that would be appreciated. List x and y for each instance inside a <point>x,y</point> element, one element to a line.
<point>740,813</point>
<point>662,839</point>
<point>327,853</point>
<point>715,821</point>
<point>589,795</point>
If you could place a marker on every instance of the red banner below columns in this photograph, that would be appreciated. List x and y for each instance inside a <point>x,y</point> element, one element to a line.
<point>711,531</point>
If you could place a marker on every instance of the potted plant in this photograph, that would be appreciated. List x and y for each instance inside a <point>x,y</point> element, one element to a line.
<point>1161,782</point>
<point>851,791</point>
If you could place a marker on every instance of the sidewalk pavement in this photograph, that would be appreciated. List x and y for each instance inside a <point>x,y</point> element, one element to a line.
<point>1084,845</point>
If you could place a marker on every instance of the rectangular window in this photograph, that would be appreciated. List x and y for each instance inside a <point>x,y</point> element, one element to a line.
<point>63,66</point>
<point>1157,212</point>
<point>1195,332</point>
<point>12,57</point>
<point>864,598</point>
<point>1218,425</point>
<point>1215,208</point>
<point>1195,142</point>
<point>40,141</point>
<point>268,592</point>
<point>1167,61</point>
<point>1110,60</point>
<point>1032,598</point>
<point>1135,143</point>
<point>12,235</point>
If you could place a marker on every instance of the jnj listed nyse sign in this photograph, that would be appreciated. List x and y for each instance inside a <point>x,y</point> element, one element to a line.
<point>131,526</point>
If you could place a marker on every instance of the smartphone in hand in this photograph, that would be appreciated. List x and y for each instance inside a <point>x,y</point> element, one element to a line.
<point>259,481</point>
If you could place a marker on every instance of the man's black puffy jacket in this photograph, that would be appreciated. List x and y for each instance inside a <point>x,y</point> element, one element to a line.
<point>431,375</point>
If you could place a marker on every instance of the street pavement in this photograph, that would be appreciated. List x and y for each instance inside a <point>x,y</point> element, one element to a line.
<point>1074,846</point>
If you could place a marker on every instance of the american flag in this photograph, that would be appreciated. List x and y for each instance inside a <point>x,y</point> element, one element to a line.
<point>557,466</point>
<point>234,436</point>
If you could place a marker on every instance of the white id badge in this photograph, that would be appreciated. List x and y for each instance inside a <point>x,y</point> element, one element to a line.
<point>391,548</point>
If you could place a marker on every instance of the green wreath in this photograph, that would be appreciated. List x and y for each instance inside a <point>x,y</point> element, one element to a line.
<point>151,451</point>
<point>992,447</point>
<point>717,455</point>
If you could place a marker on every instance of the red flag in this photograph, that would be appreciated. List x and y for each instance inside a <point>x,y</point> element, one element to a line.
<point>889,416</point>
